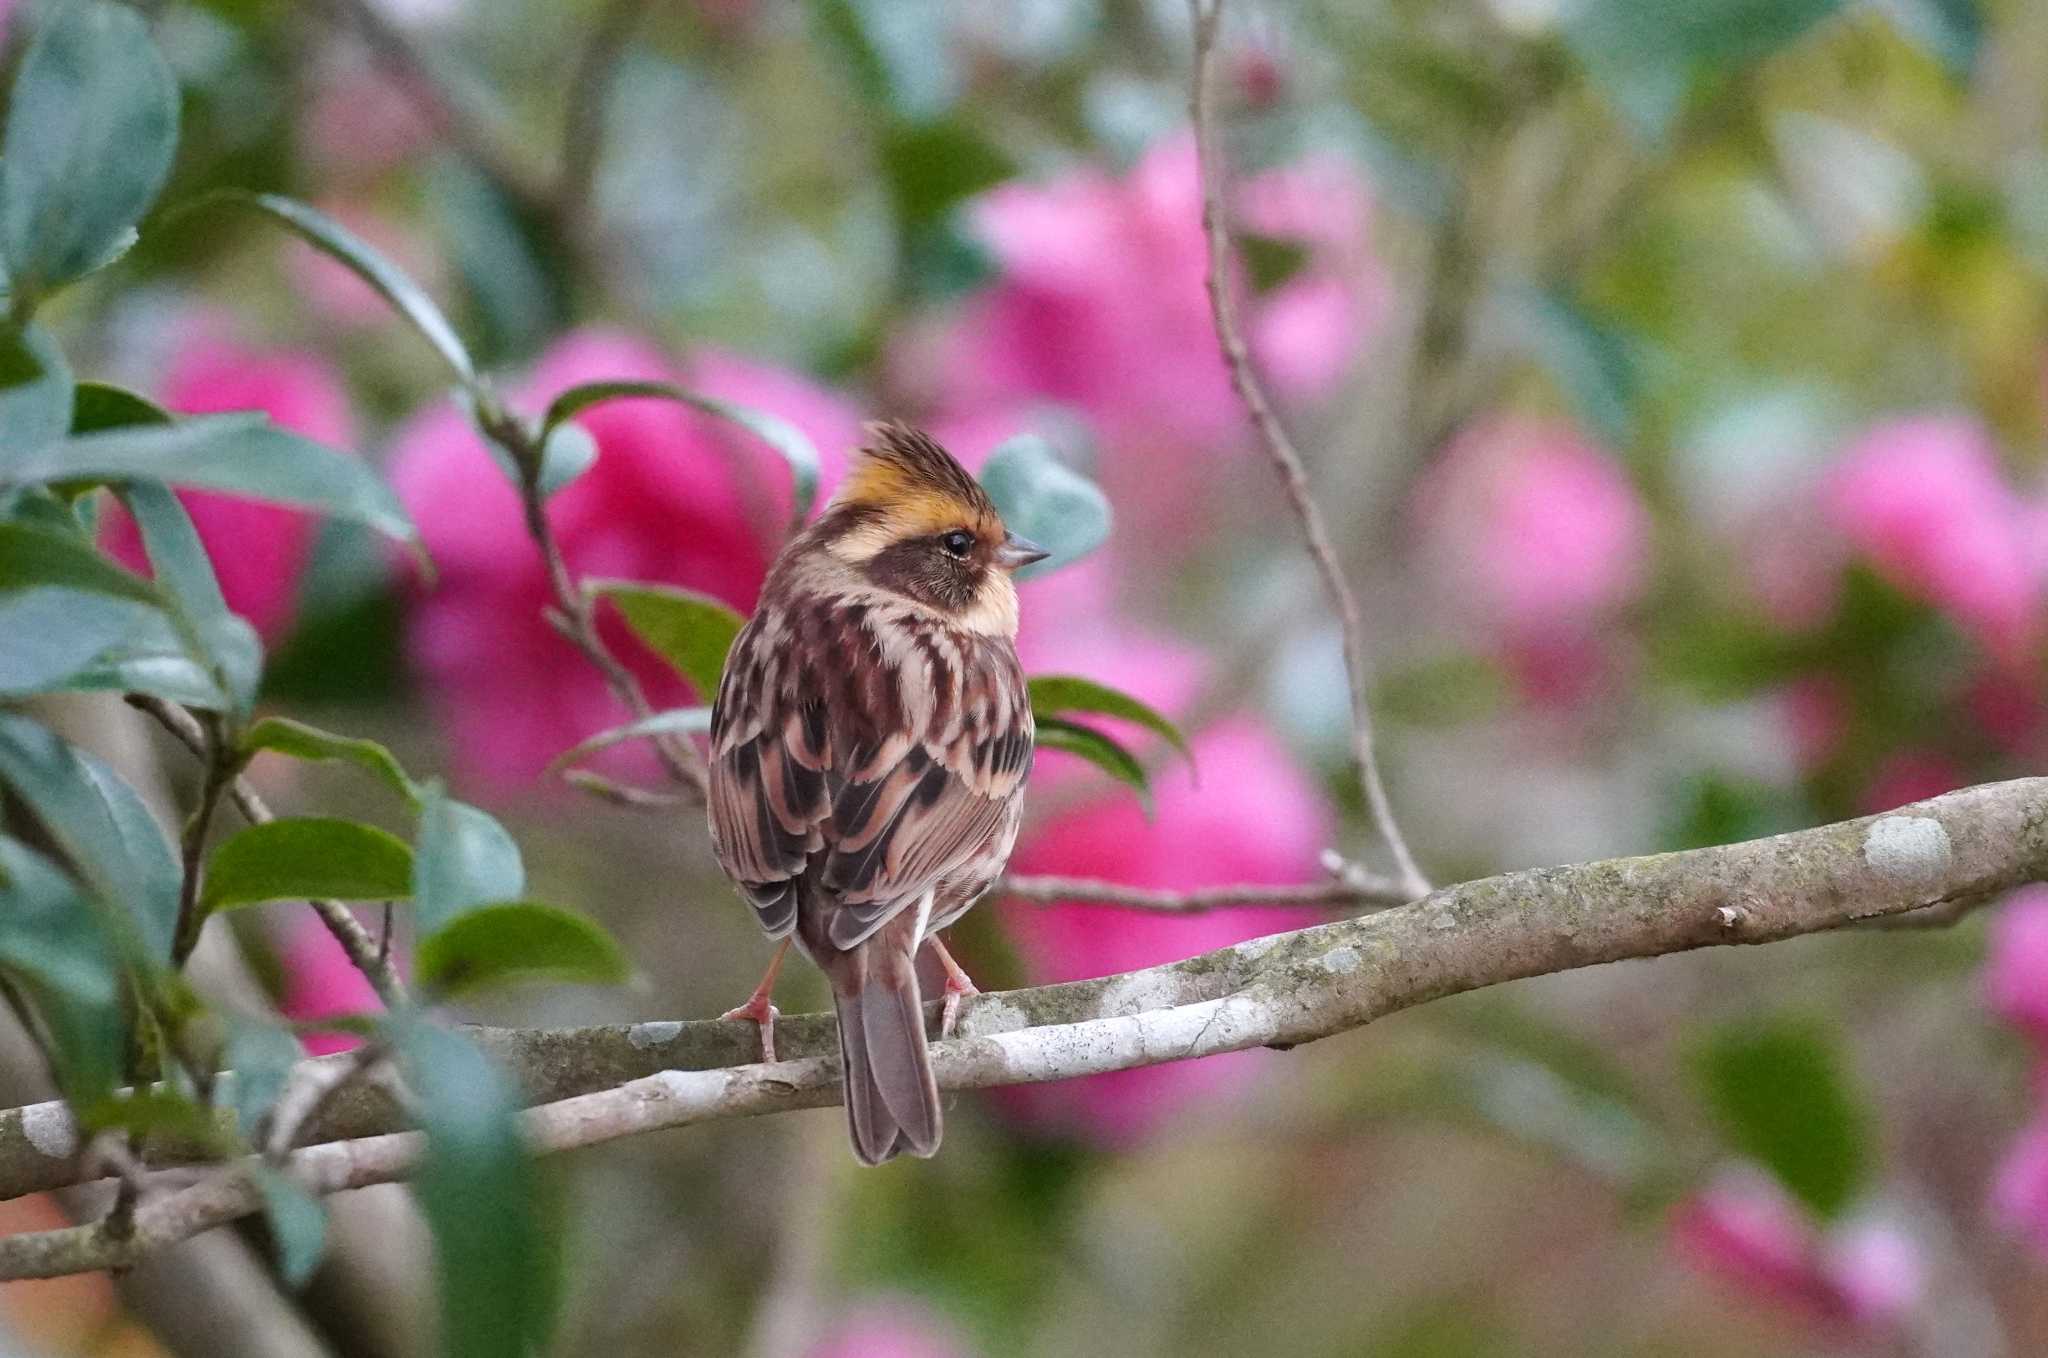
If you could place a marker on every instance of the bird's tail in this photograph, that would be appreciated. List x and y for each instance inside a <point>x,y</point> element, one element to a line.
<point>892,1102</point>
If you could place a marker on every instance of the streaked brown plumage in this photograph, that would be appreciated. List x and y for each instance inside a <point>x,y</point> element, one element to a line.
<point>869,746</point>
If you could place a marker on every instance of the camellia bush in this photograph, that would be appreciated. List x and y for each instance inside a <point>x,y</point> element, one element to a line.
<point>1468,438</point>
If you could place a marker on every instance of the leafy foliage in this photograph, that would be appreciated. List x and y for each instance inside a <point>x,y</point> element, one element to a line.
<point>693,632</point>
<point>302,856</point>
<point>1782,1097</point>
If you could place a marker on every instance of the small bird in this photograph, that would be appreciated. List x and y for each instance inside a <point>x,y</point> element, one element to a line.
<point>869,745</point>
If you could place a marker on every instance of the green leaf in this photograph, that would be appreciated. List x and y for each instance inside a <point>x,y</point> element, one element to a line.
<point>1053,694</point>
<point>225,642</point>
<point>676,720</point>
<point>282,735</point>
<point>1593,362</point>
<point>97,406</point>
<point>98,821</point>
<point>36,391</point>
<point>1646,54</point>
<point>298,1225</point>
<point>518,941</point>
<point>242,454</point>
<point>693,632</point>
<point>1057,733</point>
<point>55,634</point>
<point>1270,261</point>
<point>931,166</point>
<point>1045,500</point>
<point>260,1054</point>
<point>331,238</point>
<point>569,452</point>
<point>291,859</point>
<point>779,434</point>
<point>1782,1097</point>
<point>52,950</point>
<point>91,128</point>
<point>466,859</point>
<point>481,1195</point>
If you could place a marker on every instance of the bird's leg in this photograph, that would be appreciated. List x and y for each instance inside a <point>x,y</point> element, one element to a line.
<point>758,1010</point>
<point>958,986</point>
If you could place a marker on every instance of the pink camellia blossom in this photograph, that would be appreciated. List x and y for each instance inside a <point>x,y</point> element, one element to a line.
<point>1745,1230</point>
<point>891,1328</point>
<point>675,497</point>
<point>319,982</point>
<point>1099,304</point>
<point>1910,776</point>
<point>2019,1195</point>
<point>1924,500</point>
<point>258,550</point>
<point>1540,538</point>
<point>1252,816</point>
<point>2016,962</point>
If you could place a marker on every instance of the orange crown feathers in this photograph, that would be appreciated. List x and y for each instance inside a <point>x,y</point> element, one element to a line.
<point>905,470</point>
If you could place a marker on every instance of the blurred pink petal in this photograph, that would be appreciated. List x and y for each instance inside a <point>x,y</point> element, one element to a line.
<point>1253,817</point>
<point>359,122</point>
<point>258,550</point>
<point>1910,776</point>
<point>2016,961</point>
<point>675,497</point>
<point>891,1328</point>
<point>1746,1231</point>
<point>1816,713</point>
<point>1925,501</point>
<point>2019,1195</point>
<point>320,982</point>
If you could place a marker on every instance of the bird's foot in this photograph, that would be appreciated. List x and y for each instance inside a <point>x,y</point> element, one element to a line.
<point>958,986</point>
<point>757,1010</point>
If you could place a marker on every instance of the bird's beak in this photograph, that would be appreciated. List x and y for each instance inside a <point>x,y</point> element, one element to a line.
<point>1018,552</point>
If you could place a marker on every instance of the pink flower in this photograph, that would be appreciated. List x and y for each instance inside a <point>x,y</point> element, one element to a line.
<point>1816,711</point>
<point>320,982</point>
<point>1252,817</point>
<point>1540,538</point>
<point>1746,1231</point>
<point>674,497</point>
<point>2019,1195</point>
<point>892,1328</point>
<point>1099,303</point>
<point>258,550</point>
<point>1910,776</point>
<point>359,121</point>
<point>2016,964</point>
<point>1925,501</point>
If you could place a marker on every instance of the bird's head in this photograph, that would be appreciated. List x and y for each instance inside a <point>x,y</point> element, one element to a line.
<point>912,521</point>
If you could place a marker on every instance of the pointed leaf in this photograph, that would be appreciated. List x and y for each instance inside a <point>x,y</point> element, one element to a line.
<point>298,1225</point>
<point>291,859</point>
<point>259,1055</point>
<point>361,258</point>
<point>568,452</point>
<point>1053,694</point>
<point>282,735</point>
<point>220,639</point>
<point>242,454</point>
<point>674,721</point>
<point>97,820</point>
<point>1045,500</point>
<point>1056,733</point>
<point>779,434</point>
<point>691,631</point>
<point>91,128</point>
<point>97,405</point>
<point>518,941</point>
<point>480,1192</point>
<point>466,859</point>
<point>52,949</point>
<point>36,392</point>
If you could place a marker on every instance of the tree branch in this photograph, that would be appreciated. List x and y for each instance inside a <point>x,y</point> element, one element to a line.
<point>1278,991</point>
<point>1279,448</point>
<point>1349,887</point>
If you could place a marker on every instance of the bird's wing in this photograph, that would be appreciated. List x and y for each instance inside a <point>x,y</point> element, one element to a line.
<point>877,746</point>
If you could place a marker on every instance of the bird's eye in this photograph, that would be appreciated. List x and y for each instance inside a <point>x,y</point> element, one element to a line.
<point>958,543</point>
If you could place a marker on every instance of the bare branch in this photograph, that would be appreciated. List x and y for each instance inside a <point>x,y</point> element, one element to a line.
<point>1279,448</point>
<point>1351,888</point>
<point>1278,991</point>
<point>363,950</point>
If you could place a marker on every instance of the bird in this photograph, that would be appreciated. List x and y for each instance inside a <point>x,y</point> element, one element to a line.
<point>869,745</point>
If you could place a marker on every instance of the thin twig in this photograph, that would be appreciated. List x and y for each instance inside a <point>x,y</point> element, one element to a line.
<point>341,922</point>
<point>308,1093</point>
<point>1278,991</point>
<point>1350,889</point>
<point>1279,448</point>
<point>219,762</point>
